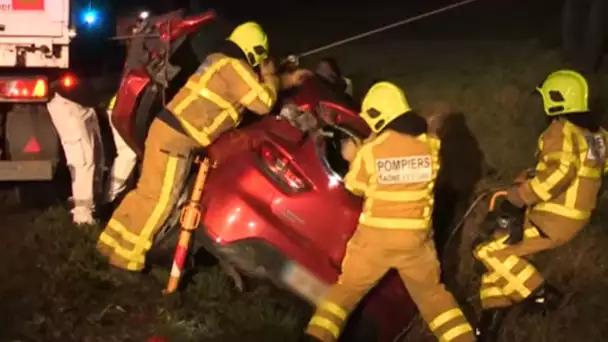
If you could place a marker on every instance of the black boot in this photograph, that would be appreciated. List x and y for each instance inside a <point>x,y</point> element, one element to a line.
<point>543,299</point>
<point>489,324</point>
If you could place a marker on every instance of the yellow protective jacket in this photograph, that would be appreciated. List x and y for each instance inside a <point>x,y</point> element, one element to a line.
<point>216,95</point>
<point>571,164</point>
<point>396,174</point>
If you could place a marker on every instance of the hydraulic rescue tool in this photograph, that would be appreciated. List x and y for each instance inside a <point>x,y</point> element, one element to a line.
<point>189,220</point>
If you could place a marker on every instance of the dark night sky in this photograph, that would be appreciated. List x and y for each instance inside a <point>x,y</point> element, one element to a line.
<point>92,43</point>
<point>317,22</point>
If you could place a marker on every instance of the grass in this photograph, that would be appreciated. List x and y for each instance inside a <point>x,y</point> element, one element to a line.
<point>62,292</point>
<point>55,288</point>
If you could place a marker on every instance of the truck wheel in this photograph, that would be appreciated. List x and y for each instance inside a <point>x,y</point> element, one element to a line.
<point>31,136</point>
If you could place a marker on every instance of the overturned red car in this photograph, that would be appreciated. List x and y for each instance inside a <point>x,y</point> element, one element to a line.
<point>274,204</point>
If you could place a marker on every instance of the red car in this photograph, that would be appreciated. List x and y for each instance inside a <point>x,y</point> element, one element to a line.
<point>275,204</point>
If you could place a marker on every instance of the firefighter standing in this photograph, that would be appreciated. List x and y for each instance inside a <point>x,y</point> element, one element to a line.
<point>212,102</point>
<point>395,172</point>
<point>560,199</point>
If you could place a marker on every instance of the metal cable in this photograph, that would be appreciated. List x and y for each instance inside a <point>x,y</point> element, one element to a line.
<point>386,27</point>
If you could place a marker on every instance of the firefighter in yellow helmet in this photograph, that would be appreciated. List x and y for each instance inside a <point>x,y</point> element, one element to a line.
<point>395,172</point>
<point>558,200</point>
<point>211,102</point>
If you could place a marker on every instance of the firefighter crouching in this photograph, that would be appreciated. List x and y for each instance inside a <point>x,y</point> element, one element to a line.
<point>395,172</point>
<point>212,102</point>
<point>559,198</point>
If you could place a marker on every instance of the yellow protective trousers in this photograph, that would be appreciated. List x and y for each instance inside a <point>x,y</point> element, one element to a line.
<point>510,277</point>
<point>131,230</point>
<point>371,253</point>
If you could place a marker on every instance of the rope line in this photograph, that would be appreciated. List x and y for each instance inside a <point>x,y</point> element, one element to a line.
<point>386,27</point>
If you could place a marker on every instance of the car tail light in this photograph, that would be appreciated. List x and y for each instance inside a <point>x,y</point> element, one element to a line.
<point>279,167</point>
<point>24,89</point>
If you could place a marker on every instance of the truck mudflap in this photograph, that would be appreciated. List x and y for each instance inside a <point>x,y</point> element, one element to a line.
<point>30,170</point>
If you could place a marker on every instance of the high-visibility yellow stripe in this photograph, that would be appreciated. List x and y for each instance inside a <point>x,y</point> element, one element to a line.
<point>566,159</point>
<point>351,181</point>
<point>365,156</point>
<point>543,189</point>
<point>511,279</point>
<point>334,309</point>
<point>112,103</point>
<point>522,278</point>
<point>402,196</point>
<point>249,98</point>
<point>455,332</point>
<point>355,187</point>
<point>444,318</point>
<point>161,206</point>
<point>325,324</point>
<point>134,262</point>
<point>213,97</point>
<point>572,194</point>
<point>370,168</point>
<point>394,223</point>
<point>494,277</point>
<point>119,228</point>
<point>589,172</point>
<point>514,282</point>
<point>264,93</point>
<point>564,211</point>
<point>202,137</point>
<point>490,293</point>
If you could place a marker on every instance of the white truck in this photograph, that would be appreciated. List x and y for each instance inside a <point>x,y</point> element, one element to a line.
<point>34,52</point>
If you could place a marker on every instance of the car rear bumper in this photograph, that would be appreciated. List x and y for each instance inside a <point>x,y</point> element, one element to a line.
<point>34,170</point>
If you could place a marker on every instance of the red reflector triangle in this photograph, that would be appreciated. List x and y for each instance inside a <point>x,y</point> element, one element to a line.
<point>32,146</point>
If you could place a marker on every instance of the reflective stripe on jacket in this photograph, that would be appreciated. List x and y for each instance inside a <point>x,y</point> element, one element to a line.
<point>571,163</point>
<point>216,95</point>
<point>112,103</point>
<point>396,174</point>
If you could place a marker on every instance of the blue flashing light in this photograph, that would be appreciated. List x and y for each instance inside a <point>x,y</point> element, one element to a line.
<point>90,17</point>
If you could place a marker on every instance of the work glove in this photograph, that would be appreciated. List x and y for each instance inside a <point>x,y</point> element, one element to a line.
<point>511,219</point>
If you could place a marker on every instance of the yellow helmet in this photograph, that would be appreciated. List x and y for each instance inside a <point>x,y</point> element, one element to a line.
<point>564,92</point>
<point>383,103</point>
<point>252,40</point>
